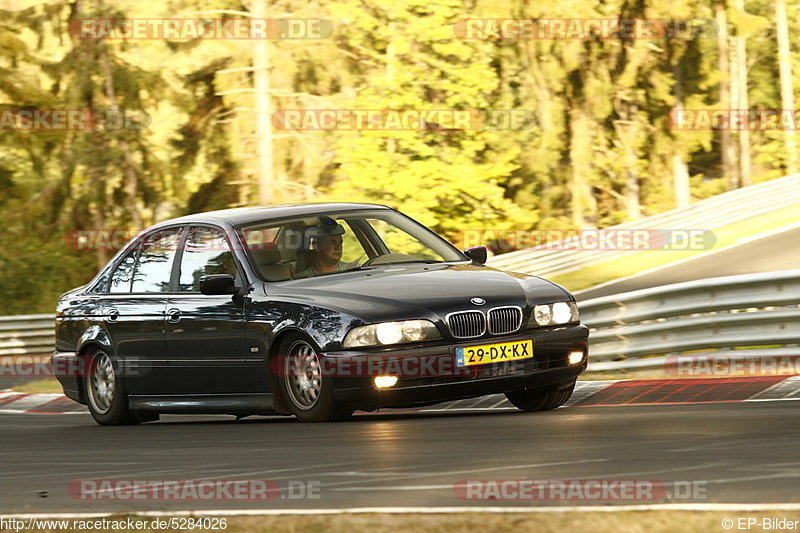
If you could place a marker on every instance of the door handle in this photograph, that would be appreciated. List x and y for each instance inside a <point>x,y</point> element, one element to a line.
<point>174,315</point>
<point>113,315</point>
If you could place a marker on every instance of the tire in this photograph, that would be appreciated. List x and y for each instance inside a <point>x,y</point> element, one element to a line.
<point>105,394</point>
<point>530,401</point>
<point>306,391</point>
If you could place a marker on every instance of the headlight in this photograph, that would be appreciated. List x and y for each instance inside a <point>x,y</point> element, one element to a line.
<point>542,314</point>
<point>561,313</point>
<point>553,314</point>
<point>387,333</point>
<point>575,315</point>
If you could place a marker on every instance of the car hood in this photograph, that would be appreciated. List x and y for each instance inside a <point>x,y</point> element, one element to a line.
<point>417,290</point>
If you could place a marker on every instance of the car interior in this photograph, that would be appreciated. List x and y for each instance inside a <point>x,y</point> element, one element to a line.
<point>287,254</point>
<point>280,252</point>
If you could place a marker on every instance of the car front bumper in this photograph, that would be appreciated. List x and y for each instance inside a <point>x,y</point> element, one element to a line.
<point>428,375</point>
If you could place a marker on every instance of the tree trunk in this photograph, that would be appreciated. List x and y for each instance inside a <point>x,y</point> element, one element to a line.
<point>582,202</point>
<point>743,104</point>
<point>680,177</point>
<point>261,68</point>
<point>729,170</point>
<point>633,206</point>
<point>787,96</point>
<point>391,58</point>
<point>131,177</point>
<point>627,130</point>
<point>680,171</point>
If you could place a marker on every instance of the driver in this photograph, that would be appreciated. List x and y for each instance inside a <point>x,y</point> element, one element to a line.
<point>325,241</point>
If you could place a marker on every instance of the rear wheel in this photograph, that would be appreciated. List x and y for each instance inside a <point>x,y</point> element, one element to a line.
<point>308,393</point>
<point>530,401</point>
<point>105,393</point>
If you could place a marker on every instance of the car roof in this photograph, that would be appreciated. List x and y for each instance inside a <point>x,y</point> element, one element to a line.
<point>245,215</point>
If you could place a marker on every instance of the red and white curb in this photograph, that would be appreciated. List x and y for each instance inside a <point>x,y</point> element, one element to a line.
<point>654,391</point>
<point>587,393</point>
<point>23,403</point>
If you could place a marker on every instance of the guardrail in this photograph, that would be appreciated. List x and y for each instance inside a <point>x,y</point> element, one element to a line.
<point>27,334</point>
<point>715,212</point>
<point>634,330</point>
<point>715,316</point>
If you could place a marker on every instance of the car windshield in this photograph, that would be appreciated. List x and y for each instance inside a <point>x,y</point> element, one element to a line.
<point>328,244</point>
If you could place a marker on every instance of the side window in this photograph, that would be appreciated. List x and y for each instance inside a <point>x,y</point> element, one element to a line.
<point>121,278</point>
<point>206,252</point>
<point>154,267</point>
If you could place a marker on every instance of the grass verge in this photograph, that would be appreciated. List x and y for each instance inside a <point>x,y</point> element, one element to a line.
<point>39,386</point>
<point>633,263</point>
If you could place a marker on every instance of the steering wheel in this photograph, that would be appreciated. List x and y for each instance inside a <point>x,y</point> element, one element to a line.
<point>369,261</point>
<point>354,262</point>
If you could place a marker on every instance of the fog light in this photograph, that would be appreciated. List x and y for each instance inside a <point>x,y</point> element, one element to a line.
<point>575,357</point>
<point>382,382</point>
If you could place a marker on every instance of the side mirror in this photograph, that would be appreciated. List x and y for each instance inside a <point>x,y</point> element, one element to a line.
<point>218,284</point>
<point>477,254</point>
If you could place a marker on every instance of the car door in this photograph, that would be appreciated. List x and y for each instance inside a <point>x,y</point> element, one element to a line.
<point>205,333</point>
<point>134,311</point>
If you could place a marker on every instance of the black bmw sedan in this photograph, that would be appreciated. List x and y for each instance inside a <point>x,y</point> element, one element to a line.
<point>312,310</point>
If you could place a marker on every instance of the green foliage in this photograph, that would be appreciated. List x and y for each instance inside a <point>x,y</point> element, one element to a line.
<point>449,180</point>
<point>600,149</point>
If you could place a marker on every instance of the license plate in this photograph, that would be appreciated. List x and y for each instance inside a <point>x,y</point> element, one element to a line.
<point>494,353</point>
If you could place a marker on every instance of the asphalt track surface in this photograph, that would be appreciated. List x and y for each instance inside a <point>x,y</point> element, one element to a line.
<point>737,452</point>
<point>776,252</point>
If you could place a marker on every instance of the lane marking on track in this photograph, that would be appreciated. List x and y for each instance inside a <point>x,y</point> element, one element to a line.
<point>771,399</point>
<point>788,389</point>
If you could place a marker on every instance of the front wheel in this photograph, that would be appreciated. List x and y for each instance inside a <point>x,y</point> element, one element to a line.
<point>530,401</point>
<point>105,393</point>
<point>308,393</point>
